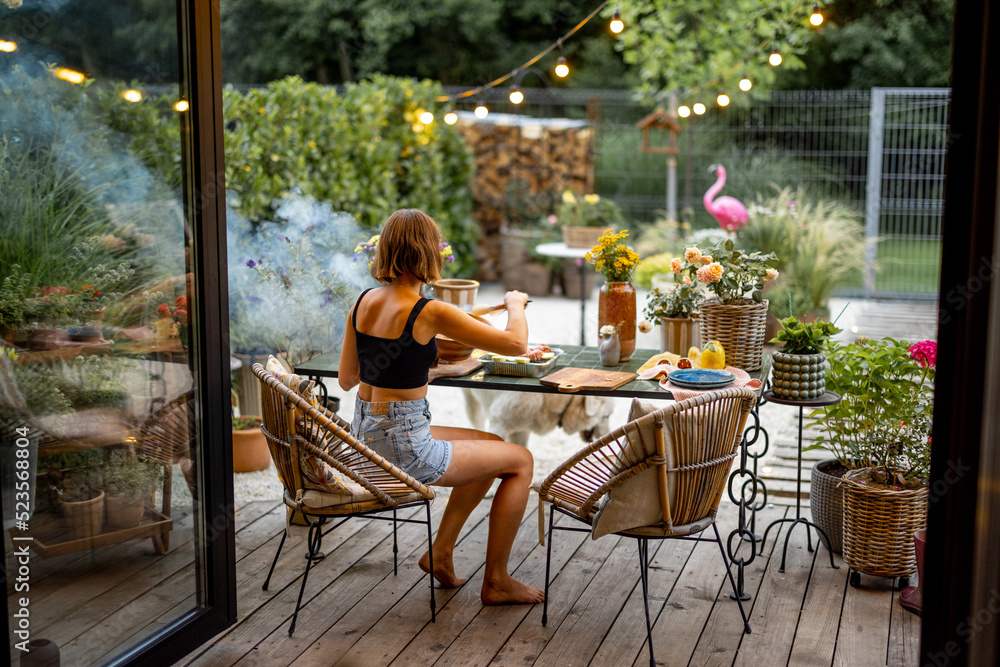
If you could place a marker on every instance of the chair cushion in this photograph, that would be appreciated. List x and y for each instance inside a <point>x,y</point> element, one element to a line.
<point>636,501</point>
<point>317,474</point>
<point>354,493</point>
<point>300,385</point>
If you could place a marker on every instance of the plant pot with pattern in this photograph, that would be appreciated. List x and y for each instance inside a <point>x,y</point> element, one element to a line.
<point>799,372</point>
<point>675,310</point>
<point>250,452</point>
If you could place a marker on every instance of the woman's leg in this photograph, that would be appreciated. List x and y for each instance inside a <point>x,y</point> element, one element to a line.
<point>474,465</point>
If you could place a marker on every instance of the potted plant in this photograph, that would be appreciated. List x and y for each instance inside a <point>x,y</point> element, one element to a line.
<point>79,498</point>
<point>616,304</point>
<point>129,482</point>
<point>675,309</point>
<point>585,219</point>
<point>880,434</point>
<point>799,365</point>
<point>736,315</point>
<point>13,292</point>
<point>250,450</point>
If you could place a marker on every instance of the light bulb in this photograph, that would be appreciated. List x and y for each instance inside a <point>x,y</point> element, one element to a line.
<point>699,108</point>
<point>70,75</point>
<point>516,96</point>
<point>722,100</point>
<point>683,111</point>
<point>451,118</point>
<point>745,83</point>
<point>7,47</point>
<point>562,69</point>
<point>426,117</point>
<point>182,106</point>
<point>775,58</point>
<point>816,18</point>
<point>616,22</point>
<point>481,112</point>
<point>132,96</point>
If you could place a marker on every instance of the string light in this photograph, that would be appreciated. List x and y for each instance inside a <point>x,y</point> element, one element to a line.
<point>132,96</point>
<point>746,84</point>
<point>451,118</point>
<point>562,69</point>
<point>426,117</point>
<point>182,106</point>
<point>481,111</point>
<point>775,58</point>
<point>7,47</point>
<point>699,108</point>
<point>683,111</point>
<point>617,25</point>
<point>722,100</point>
<point>516,96</point>
<point>70,75</point>
<point>816,18</point>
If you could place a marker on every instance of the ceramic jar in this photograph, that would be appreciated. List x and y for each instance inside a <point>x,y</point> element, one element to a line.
<point>616,306</point>
<point>610,349</point>
<point>799,376</point>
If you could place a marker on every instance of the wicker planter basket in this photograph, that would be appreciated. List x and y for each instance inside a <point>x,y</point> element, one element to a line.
<point>582,237</point>
<point>879,526</point>
<point>740,329</point>
<point>826,502</point>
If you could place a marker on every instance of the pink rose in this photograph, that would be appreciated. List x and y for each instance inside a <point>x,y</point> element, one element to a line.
<point>705,275</point>
<point>676,265</point>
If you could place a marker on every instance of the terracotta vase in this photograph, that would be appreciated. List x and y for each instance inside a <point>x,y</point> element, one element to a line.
<point>250,450</point>
<point>616,304</point>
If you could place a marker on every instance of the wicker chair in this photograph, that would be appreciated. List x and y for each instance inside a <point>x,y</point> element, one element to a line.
<point>294,429</point>
<point>686,450</point>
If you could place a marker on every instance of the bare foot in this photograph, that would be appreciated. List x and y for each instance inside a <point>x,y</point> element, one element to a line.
<point>510,591</point>
<point>444,570</point>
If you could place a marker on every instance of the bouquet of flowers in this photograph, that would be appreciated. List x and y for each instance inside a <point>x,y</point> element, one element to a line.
<point>612,258</point>
<point>173,322</point>
<point>727,272</point>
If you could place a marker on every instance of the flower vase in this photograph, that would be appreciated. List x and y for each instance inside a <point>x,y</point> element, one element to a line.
<point>610,349</point>
<point>616,305</point>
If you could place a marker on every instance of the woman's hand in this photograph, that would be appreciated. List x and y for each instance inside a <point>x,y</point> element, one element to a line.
<point>515,297</point>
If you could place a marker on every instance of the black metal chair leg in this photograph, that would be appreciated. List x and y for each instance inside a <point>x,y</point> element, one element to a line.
<point>729,572</point>
<point>430,558</point>
<point>274,562</point>
<point>395,546</point>
<point>315,540</point>
<point>548,561</point>
<point>644,578</point>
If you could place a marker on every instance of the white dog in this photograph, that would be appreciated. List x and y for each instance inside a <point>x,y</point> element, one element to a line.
<point>515,415</point>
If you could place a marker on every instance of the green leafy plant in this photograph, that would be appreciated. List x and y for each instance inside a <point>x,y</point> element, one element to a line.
<point>883,420</point>
<point>126,474</point>
<point>588,211</point>
<point>244,423</point>
<point>72,477</point>
<point>679,300</point>
<point>804,337</point>
<point>13,291</point>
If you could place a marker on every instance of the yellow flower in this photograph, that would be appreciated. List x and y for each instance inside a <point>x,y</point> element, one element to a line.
<point>692,254</point>
<point>591,199</point>
<point>772,274</point>
<point>568,197</point>
<point>705,259</point>
<point>715,270</point>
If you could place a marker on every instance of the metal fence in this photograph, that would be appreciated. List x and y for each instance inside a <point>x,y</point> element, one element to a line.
<point>880,152</point>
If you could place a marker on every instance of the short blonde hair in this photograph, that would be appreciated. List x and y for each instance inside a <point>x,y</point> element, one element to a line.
<point>410,244</point>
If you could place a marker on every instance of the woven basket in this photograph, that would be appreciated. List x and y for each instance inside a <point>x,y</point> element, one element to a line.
<point>740,329</point>
<point>879,526</point>
<point>826,502</point>
<point>582,237</point>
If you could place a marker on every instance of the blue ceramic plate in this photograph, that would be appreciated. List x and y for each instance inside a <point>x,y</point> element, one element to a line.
<point>701,378</point>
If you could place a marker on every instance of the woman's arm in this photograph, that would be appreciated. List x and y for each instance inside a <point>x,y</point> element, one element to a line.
<point>349,372</point>
<point>453,322</point>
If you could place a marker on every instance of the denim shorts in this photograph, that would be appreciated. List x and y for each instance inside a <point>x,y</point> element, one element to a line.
<point>400,432</point>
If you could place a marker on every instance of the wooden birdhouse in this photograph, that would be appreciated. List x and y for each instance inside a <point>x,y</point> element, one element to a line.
<point>659,120</point>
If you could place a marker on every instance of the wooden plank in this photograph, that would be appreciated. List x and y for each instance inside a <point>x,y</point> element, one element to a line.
<point>703,590</point>
<point>778,603</point>
<point>904,635</point>
<point>816,637</point>
<point>576,379</point>
<point>863,638</point>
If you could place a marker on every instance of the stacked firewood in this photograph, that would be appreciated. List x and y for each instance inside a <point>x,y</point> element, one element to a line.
<point>521,172</point>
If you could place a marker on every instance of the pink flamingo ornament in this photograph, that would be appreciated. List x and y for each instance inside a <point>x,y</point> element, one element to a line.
<point>727,211</point>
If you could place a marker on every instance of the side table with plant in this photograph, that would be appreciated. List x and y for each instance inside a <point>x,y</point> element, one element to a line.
<point>616,304</point>
<point>799,364</point>
<point>880,434</point>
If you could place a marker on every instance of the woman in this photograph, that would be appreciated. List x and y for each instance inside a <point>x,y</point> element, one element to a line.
<point>388,348</point>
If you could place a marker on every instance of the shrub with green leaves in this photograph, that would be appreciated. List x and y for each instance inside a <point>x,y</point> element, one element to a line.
<point>804,337</point>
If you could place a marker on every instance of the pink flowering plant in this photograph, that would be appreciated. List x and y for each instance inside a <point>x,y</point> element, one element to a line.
<point>731,274</point>
<point>883,421</point>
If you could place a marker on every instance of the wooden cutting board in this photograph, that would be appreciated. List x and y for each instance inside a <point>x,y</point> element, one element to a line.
<point>575,379</point>
<point>456,369</point>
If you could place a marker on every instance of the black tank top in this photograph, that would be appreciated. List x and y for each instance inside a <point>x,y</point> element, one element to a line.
<point>394,363</point>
